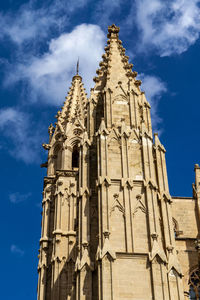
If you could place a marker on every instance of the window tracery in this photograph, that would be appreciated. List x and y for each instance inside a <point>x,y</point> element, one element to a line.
<point>194,285</point>
<point>177,232</point>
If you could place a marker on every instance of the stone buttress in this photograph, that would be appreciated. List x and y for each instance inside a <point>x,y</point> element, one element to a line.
<point>107,231</point>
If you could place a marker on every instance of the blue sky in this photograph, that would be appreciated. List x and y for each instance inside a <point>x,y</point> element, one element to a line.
<point>40,44</point>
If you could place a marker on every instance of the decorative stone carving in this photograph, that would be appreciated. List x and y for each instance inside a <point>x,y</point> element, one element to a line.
<point>172,261</point>
<point>140,205</point>
<point>117,205</point>
<point>51,130</point>
<point>156,250</point>
<point>107,249</point>
<point>59,122</point>
<point>77,132</point>
<point>46,146</point>
<point>68,173</point>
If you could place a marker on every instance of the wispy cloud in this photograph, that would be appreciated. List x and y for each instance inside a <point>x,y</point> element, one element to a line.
<point>16,250</point>
<point>47,78</point>
<point>170,27</point>
<point>16,198</point>
<point>17,127</point>
<point>154,88</point>
<point>49,75</point>
<point>33,23</point>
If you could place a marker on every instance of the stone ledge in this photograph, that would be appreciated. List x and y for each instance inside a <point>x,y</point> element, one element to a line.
<point>131,255</point>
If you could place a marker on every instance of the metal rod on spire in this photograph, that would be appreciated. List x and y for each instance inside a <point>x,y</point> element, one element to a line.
<point>77,67</point>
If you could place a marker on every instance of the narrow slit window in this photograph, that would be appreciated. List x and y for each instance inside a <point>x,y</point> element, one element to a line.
<point>75,157</point>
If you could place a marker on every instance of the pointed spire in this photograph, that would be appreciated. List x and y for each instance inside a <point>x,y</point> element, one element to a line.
<point>73,110</point>
<point>74,107</point>
<point>115,66</point>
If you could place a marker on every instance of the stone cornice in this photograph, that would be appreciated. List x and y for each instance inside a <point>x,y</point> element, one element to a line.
<point>66,173</point>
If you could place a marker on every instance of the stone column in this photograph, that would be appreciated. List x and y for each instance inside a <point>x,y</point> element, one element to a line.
<point>45,238</point>
<point>84,265</point>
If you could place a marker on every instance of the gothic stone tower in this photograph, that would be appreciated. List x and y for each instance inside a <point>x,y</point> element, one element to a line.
<point>107,230</point>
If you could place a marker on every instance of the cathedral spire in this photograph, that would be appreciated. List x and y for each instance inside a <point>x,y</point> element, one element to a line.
<point>107,212</point>
<point>74,108</point>
<point>71,120</point>
<point>115,66</point>
<point>117,91</point>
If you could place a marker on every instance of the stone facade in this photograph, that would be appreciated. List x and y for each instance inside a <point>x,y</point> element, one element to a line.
<point>110,229</point>
<point>186,220</point>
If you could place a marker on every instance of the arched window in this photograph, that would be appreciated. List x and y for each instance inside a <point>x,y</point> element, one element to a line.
<point>177,232</point>
<point>194,284</point>
<point>75,157</point>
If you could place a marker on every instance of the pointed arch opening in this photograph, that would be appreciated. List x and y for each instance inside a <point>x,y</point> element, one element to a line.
<point>177,232</point>
<point>75,157</point>
<point>194,285</point>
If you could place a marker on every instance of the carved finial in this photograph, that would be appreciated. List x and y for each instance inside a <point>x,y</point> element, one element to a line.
<point>154,236</point>
<point>59,121</point>
<point>170,248</point>
<point>138,197</point>
<point>58,114</point>
<point>50,131</point>
<point>106,234</point>
<point>116,196</point>
<point>113,31</point>
<point>85,245</point>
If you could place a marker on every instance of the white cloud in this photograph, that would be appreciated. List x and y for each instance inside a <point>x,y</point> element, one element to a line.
<point>33,23</point>
<point>16,250</point>
<point>49,75</point>
<point>25,138</point>
<point>154,88</point>
<point>168,26</point>
<point>16,198</point>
